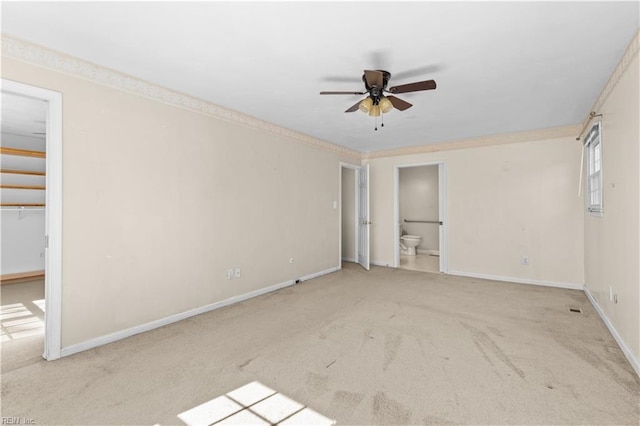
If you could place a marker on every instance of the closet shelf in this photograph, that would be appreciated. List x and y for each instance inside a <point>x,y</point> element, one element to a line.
<point>22,152</point>
<point>22,183</point>
<point>21,172</point>
<point>34,187</point>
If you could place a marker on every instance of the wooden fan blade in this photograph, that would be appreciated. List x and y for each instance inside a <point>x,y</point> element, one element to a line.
<point>374,78</point>
<point>342,93</point>
<point>399,104</point>
<point>354,108</point>
<point>413,87</point>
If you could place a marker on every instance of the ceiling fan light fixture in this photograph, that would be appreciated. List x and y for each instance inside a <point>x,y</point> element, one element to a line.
<point>376,104</point>
<point>366,104</point>
<point>385,105</point>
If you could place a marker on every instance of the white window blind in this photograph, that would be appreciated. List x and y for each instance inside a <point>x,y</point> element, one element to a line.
<point>593,148</point>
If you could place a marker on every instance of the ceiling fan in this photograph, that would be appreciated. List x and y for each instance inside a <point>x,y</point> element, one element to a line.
<point>377,102</point>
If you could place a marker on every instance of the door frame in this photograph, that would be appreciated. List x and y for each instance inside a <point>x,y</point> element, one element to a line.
<point>364,218</point>
<point>53,212</point>
<point>356,170</point>
<point>442,211</point>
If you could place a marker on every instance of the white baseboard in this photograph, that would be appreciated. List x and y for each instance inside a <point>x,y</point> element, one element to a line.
<point>625,349</point>
<point>422,251</point>
<point>571,286</point>
<point>378,263</point>
<point>428,251</point>
<point>122,334</point>
<point>349,259</point>
<point>315,275</point>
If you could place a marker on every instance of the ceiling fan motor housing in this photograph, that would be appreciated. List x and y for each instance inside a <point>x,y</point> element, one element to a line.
<point>374,91</point>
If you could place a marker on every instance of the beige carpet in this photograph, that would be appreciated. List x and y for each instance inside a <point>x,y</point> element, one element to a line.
<point>380,347</point>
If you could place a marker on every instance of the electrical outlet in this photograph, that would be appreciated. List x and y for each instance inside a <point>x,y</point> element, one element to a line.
<point>237,272</point>
<point>230,274</point>
<point>524,260</point>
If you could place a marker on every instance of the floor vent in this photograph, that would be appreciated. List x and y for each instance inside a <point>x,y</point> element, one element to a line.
<point>574,309</point>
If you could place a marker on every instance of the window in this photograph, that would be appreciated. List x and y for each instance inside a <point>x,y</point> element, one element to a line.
<point>593,147</point>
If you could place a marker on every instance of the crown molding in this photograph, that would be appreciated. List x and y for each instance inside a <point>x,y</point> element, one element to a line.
<point>501,139</point>
<point>628,56</point>
<point>526,136</point>
<point>63,63</point>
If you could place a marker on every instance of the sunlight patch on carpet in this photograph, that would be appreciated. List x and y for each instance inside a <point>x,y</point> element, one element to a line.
<point>17,321</point>
<point>253,404</point>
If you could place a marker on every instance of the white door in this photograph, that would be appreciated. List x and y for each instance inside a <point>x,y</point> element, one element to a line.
<point>363,216</point>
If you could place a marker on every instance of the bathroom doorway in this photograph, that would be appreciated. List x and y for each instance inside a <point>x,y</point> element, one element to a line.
<point>419,219</point>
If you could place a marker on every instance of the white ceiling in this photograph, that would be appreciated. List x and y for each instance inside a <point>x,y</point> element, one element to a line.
<point>500,66</point>
<point>23,116</point>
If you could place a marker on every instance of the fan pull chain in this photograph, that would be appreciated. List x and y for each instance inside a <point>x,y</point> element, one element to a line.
<point>381,121</point>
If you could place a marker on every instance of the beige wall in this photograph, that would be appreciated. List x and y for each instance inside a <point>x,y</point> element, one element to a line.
<point>418,200</point>
<point>503,202</point>
<point>612,242</point>
<point>348,214</point>
<point>160,201</point>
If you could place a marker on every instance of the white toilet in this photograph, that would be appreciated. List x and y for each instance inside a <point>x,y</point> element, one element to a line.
<point>411,242</point>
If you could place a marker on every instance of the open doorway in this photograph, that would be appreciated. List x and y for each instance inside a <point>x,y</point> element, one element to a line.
<point>419,237</point>
<point>354,209</point>
<point>23,195</point>
<point>348,213</point>
<point>31,208</point>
